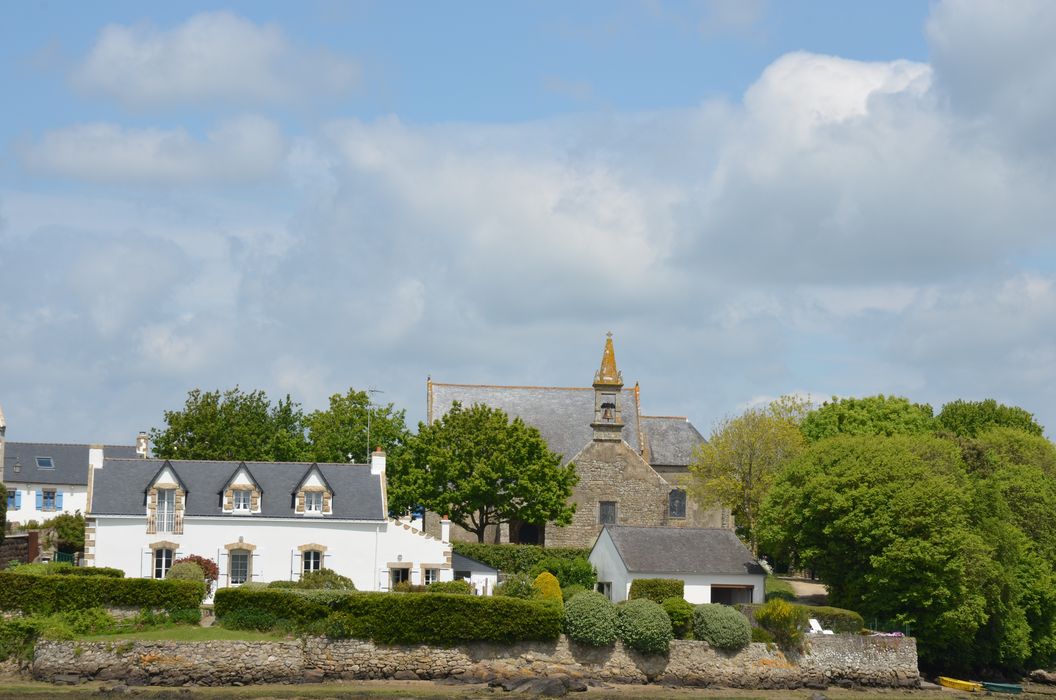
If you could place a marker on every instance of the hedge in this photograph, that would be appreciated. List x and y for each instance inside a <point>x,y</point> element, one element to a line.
<point>516,558</point>
<point>48,594</point>
<point>459,587</point>
<point>569,572</point>
<point>17,638</point>
<point>439,619</point>
<point>657,589</point>
<point>836,619</point>
<point>62,568</point>
<point>681,613</point>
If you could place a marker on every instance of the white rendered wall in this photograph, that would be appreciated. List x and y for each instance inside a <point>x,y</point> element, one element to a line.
<point>74,498</point>
<point>610,567</point>
<point>360,551</point>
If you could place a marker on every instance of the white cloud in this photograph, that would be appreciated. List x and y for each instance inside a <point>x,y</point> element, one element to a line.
<point>213,57</point>
<point>247,149</point>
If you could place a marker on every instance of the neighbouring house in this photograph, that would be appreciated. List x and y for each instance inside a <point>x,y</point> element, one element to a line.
<point>260,521</point>
<point>633,469</point>
<point>715,566</point>
<point>46,479</point>
<point>482,577</point>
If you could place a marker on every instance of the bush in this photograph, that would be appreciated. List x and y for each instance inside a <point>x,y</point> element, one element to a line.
<point>408,587</point>
<point>452,587</point>
<point>185,571</point>
<point>644,626</point>
<point>836,619</point>
<point>65,532</point>
<point>48,594</point>
<point>210,570</point>
<point>516,586</point>
<point>761,635</point>
<point>721,626</point>
<point>326,580</point>
<point>90,621</point>
<point>681,614</point>
<point>516,558</point>
<point>590,618</point>
<point>63,568</point>
<point>17,639</point>
<point>657,589</point>
<point>569,572</point>
<point>569,591</point>
<point>784,621</point>
<point>547,588</point>
<point>438,619</point>
<point>280,584</point>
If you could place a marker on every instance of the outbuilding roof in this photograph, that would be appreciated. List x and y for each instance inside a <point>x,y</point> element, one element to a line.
<point>119,488</point>
<point>670,550</point>
<point>69,463</point>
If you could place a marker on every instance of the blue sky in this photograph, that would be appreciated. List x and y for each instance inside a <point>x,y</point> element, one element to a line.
<point>757,198</point>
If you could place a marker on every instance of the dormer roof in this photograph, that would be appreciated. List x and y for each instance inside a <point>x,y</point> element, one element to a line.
<point>175,474</point>
<point>242,469</point>
<point>313,469</point>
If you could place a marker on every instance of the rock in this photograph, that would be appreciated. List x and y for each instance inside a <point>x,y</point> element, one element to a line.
<point>313,676</point>
<point>406,676</point>
<point>543,687</point>
<point>1043,676</point>
<point>576,685</point>
<point>67,679</point>
<point>819,696</point>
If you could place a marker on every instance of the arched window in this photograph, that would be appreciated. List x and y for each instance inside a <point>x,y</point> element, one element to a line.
<point>676,503</point>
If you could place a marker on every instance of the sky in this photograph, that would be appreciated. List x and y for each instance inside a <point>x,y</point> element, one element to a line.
<point>756,198</point>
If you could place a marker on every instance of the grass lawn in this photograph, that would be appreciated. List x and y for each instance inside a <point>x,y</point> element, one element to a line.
<point>186,633</point>
<point>780,586</point>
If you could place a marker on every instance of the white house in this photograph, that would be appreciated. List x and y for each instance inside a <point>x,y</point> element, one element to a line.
<point>260,521</point>
<point>46,479</point>
<point>715,566</point>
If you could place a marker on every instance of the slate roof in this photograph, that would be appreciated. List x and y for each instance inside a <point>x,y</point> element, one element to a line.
<point>670,439</point>
<point>562,415</point>
<point>120,487</point>
<point>71,462</point>
<point>460,562</point>
<point>671,550</point>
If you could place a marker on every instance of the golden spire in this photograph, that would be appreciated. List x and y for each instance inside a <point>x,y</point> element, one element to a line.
<point>608,374</point>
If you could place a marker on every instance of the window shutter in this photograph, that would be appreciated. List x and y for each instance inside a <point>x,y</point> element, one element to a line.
<point>224,566</point>
<point>58,500</point>
<point>256,569</point>
<point>146,564</point>
<point>40,499</point>
<point>18,500</point>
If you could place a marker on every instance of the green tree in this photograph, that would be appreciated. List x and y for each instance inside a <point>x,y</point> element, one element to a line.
<point>969,418</point>
<point>482,469</point>
<point>65,532</point>
<point>872,415</point>
<point>738,463</point>
<point>339,434</point>
<point>232,425</point>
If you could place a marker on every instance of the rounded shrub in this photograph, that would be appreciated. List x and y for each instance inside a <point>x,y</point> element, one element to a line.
<point>681,613</point>
<point>516,586</point>
<point>643,626</point>
<point>547,587</point>
<point>784,621</point>
<point>590,618</point>
<point>326,580</point>
<point>721,626</point>
<point>188,571</point>
<point>459,587</point>
<point>210,570</point>
<point>569,591</point>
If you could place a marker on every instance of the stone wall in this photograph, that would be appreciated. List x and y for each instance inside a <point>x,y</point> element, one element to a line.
<point>837,659</point>
<point>20,547</point>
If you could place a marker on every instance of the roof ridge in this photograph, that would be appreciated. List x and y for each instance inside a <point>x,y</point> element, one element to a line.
<point>523,386</point>
<point>65,444</point>
<point>685,418</point>
<point>236,461</point>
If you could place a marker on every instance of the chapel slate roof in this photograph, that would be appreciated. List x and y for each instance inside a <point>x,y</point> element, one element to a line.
<point>670,439</point>
<point>120,487</point>
<point>71,462</point>
<point>562,415</point>
<point>671,550</point>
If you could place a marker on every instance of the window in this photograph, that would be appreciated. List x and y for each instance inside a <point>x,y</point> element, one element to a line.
<point>676,503</point>
<point>242,500</point>
<point>313,502</point>
<point>604,588</point>
<point>432,576</point>
<point>238,566</point>
<point>47,499</point>
<point>607,512</point>
<point>312,560</point>
<point>463,575</point>
<point>162,562</point>
<point>399,576</point>
<point>166,510</point>
<point>13,499</point>
<point>45,463</point>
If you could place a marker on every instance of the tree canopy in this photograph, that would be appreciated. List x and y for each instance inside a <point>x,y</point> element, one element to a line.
<point>969,418</point>
<point>872,415</point>
<point>739,462</point>
<point>340,433</point>
<point>482,469</point>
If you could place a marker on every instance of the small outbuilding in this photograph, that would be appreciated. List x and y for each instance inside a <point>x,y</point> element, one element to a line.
<point>482,577</point>
<point>715,566</point>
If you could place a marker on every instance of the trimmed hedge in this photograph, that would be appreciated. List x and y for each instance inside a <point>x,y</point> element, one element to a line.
<point>459,587</point>
<point>644,626</point>
<point>657,589</point>
<point>721,626</point>
<point>439,619</point>
<point>681,613</point>
<point>569,572</point>
<point>516,558</point>
<point>63,568</point>
<point>590,618</point>
<point>48,594</point>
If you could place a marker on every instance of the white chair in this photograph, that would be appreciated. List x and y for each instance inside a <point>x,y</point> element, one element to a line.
<point>816,628</point>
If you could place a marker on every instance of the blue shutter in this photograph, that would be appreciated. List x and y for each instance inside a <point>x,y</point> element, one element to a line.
<point>40,499</point>
<point>58,500</point>
<point>18,499</point>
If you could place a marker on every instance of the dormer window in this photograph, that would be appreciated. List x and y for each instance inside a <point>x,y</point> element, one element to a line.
<point>313,495</point>
<point>166,501</point>
<point>45,463</point>
<point>242,493</point>
<point>313,502</point>
<point>242,500</point>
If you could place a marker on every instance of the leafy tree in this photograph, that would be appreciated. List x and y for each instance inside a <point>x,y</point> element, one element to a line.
<point>872,415</point>
<point>738,463</point>
<point>339,434</point>
<point>232,425</point>
<point>65,532</point>
<point>482,469</point>
<point>969,418</point>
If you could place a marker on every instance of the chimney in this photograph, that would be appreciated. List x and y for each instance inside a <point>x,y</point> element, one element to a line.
<point>142,445</point>
<point>377,462</point>
<point>445,530</point>
<point>95,457</point>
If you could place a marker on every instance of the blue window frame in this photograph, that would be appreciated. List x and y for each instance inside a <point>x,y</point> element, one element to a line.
<point>14,499</point>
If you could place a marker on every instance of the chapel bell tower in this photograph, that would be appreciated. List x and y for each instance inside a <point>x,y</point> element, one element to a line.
<point>608,384</point>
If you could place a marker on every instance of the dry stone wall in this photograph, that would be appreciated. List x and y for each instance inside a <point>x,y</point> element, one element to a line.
<point>838,659</point>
